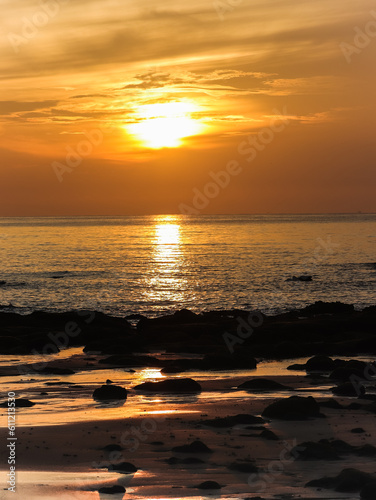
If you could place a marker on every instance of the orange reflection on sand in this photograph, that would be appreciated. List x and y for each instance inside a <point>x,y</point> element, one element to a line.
<point>165,412</point>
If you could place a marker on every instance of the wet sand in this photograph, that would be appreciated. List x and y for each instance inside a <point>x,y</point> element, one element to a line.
<point>145,428</point>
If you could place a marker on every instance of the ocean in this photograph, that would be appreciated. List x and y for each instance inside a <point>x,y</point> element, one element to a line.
<point>154,265</point>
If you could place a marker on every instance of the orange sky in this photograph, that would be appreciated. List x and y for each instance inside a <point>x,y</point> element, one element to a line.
<point>263,106</point>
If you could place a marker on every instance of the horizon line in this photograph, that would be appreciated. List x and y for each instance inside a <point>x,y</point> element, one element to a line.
<point>187,215</point>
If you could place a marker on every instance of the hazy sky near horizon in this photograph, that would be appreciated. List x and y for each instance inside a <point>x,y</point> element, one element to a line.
<point>171,92</point>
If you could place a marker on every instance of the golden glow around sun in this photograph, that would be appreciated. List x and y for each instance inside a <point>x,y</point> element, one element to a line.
<point>165,125</point>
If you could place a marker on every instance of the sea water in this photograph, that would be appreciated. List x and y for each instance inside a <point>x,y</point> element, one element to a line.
<point>158,264</point>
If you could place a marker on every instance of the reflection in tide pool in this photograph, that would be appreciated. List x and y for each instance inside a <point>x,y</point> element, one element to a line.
<point>57,485</point>
<point>68,399</point>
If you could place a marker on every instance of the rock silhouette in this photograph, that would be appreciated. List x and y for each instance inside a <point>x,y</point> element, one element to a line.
<point>241,419</point>
<point>195,447</point>
<point>348,481</point>
<point>123,467</point>
<point>175,385</point>
<point>20,403</point>
<point>209,485</point>
<point>263,385</point>
<point>108,392</point>
<point>112,490</point>
<point>349,389</point>
<point>293,408</point>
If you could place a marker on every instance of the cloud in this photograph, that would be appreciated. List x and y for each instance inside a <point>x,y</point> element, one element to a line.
<point>10,107</point>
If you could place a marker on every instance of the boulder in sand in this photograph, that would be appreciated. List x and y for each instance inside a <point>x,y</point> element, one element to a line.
<point>174,385</point>
<point>322,450</point>
<point>349,389</point>
<point>303,278</point>
<point>320,364</point>
<point>293,408</point>
<point>236,361</point>
<point>56,370</point>
<point>123,467</point>
<point>195,447</point>
<point>246,467</point>
<point>112,447</point>
<point>110,392</point>
<point>241,419</point>
<point>263,385</point>
<point>20,403</point>
<point>112,490</point>
<point>269,435</point>
<point>184,461</point>
<point>345,374</point>
<point>209,485</point>
<point>368,492</point>
<point>348,481</point>
<point>320,307</point>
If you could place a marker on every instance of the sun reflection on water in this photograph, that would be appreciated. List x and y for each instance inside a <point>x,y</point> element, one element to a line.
<point>167,241</point>
<point>166,282</point>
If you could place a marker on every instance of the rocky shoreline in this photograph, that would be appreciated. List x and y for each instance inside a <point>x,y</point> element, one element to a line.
<point>241,434</point>
<point>233,336</point>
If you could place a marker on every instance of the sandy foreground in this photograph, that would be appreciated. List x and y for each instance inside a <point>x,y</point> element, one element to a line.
<point>78,448</point>
<point>69,445</point>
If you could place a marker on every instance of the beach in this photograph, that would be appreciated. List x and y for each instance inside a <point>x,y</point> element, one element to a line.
<point>75,442</point>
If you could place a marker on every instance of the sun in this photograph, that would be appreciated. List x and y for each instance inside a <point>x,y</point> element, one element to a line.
<point>165,125</point>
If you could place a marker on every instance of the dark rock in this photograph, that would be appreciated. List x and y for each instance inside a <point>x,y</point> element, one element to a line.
<point>321,307</point>
<point>209,485</point>
<point>241,419</point>
<point>321,364</point>
<point>123,467</point>
<point>344,374</point>
<point>108,392</point>
<point>367,450</point>
<point>348,389</point>
<point>358,430</point>
<point>349,480</point>
<point>286,350</point>
<point>112,490</point>
<point>12,345</point>
<point>269,435</point>
<point>132,361</point>
<point>293,408</point>
<point>185,315</point>
<point>184,461</point>
<point>20,403</point>
<point>355,406</point>
<point>300,278</point>
<point>236,361</point>
<point>173,368</point>
<point>191,461</point>
<point>112,447</point>
<point>315,451</point>
<point>371,407</point>
<point>331,403</point>
<point>175,385</point>
<point>263,385</point>
<point>246,467</point>
<point>368,491</point>
<point>56,370</point>
<point>195,447</point>
<point>297,367</point>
